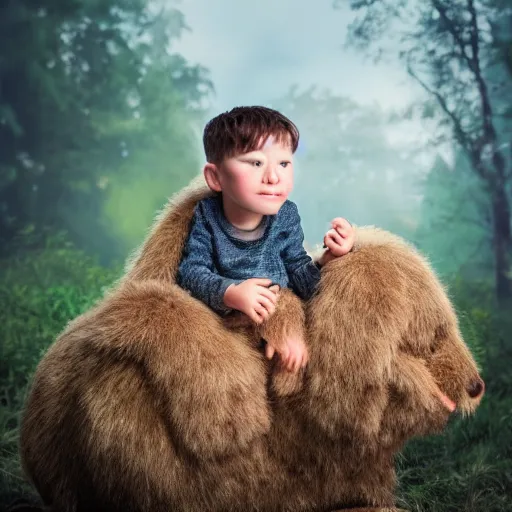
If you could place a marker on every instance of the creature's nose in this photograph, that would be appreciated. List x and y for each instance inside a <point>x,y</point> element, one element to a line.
<point>476,388</point>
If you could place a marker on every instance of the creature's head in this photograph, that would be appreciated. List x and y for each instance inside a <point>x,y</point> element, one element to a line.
<point>387,358</point>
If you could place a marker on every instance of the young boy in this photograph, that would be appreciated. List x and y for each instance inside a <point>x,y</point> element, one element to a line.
<point>248,237</point>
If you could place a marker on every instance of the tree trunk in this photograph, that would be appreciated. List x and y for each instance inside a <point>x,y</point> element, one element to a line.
<point>501,242</point>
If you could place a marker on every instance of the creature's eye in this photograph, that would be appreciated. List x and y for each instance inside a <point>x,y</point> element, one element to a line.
<point>440,334</point>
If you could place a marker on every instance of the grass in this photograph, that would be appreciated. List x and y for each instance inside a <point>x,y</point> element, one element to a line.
<point>41,291</point>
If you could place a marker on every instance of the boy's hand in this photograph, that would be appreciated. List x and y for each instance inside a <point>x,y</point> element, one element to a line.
<point>252,297</point>
<point>340,239</point>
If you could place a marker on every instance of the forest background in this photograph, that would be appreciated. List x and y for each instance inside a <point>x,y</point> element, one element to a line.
<point>101,115</point>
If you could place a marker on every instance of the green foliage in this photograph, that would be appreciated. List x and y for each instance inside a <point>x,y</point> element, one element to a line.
<point>454,227</point>
<point>162,158</point>
<point>41,290</point>
<point>92,97</point>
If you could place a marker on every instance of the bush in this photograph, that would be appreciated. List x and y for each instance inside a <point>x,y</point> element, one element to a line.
<point>41,290</point>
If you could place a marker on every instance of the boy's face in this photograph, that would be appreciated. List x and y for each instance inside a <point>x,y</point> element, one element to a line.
<point>257,182</point>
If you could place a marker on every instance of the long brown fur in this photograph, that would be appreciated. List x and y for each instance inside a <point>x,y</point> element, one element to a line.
<point>152,402</point>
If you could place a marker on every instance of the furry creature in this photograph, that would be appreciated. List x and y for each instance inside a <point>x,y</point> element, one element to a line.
<point>147,402</point>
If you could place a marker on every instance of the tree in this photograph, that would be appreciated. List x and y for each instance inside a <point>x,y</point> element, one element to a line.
<point>455,215</point>
<point>447,48</point>
<point>84,87</point>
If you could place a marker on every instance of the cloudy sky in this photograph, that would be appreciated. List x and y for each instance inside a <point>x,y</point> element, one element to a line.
<point>256,50</point>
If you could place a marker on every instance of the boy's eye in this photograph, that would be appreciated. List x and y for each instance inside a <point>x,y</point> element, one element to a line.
<point>285,164</point>
<point>256,163</point>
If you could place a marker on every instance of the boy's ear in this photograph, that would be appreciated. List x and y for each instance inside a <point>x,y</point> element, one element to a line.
<point>211,175</point>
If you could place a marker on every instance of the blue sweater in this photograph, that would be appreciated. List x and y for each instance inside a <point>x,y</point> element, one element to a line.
<point>214,258</point>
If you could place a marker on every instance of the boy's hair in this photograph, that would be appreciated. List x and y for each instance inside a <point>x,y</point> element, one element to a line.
<point>244,129</point>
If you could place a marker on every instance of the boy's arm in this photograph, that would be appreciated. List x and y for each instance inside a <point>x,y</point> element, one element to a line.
<point>303,273</point>
<point>196,271</point>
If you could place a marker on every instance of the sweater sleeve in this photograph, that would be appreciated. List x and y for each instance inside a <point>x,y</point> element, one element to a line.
<point>303,273</point>
<point>196,271</point>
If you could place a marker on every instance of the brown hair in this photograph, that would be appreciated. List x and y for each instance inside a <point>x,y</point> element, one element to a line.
<point>244,129</point>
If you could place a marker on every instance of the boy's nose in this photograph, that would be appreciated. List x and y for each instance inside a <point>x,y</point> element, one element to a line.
<point>270,175</point>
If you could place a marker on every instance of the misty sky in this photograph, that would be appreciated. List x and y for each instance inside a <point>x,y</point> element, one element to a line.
<point>257,50</point>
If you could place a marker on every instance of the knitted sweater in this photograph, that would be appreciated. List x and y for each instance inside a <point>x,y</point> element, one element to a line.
<point>215,257</point>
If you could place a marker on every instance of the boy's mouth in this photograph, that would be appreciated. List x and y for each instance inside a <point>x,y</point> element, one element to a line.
<point>269,194</point>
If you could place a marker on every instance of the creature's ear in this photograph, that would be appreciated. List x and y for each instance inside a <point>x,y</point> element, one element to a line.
<point>353,324</point>
<point>160,254</point>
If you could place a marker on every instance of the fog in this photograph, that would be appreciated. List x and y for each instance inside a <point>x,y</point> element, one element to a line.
<point>256,53</point>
